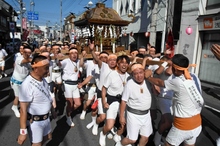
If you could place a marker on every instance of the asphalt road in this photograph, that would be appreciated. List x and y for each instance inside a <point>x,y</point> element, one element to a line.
<point>63,135</point>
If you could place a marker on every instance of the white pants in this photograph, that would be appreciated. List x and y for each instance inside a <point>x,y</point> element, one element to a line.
<point>138,124</point>
<point>100,106</point>
<point>39,129</point>
<point>112,111</point>
<point>91,92</point>
<point>16,88</point>
<point>177,136</point>
<point>56,77</point>
<point>2,63</point>
<point>71,91</point>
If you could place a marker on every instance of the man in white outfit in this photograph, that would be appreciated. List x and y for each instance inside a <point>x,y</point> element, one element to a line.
<point>35,104</point>
<point>107,64</point>
<point>112,89</point>
<point>70,76</point>
<point>91,80</point>
<point>164,100</point>
<point>21,70</point>
<point>136,103</point>
<point>187,103</point>
<point>3,54</point>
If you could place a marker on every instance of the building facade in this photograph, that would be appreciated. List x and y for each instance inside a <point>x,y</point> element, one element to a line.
<point>142,25</point>
<point>204,18</point>
<point>7,23</point>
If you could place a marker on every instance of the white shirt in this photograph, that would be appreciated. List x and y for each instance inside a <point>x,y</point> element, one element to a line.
<point>182,105</point>
<point>114,83</point>
<point>70,69</point>
<point>21,70</point>
<point>92,70</point>
<point>133,96</point>
<point>3,53</point>
<point>38,96</point>
<point>163,91</point>
<point>17,54</point>
<point>104,71</point>
<point>49,78</point>
<point>54,65</point>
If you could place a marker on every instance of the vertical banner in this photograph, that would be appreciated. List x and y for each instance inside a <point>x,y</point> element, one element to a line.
<point>170,44</point>
<point>24,23</point>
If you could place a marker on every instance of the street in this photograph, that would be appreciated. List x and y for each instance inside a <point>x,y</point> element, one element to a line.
<point>79,135</point>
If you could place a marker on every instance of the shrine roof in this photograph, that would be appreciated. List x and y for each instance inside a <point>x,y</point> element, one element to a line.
<point>101,15</point>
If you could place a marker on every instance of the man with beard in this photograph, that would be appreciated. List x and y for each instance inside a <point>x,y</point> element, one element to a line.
<point>112,89</point>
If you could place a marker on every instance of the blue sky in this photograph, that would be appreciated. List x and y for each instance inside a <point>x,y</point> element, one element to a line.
<point>49,10</point>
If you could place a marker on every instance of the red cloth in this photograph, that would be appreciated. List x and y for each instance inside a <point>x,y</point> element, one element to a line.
<point>94,105</point>
<point>170,44</point>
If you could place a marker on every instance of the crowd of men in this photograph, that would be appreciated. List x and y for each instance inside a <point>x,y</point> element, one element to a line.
<point>122,92</point>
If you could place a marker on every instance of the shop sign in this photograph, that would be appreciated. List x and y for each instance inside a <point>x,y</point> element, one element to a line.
<point>209,23</point>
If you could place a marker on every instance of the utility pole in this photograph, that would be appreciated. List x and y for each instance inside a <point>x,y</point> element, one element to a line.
<point>61,25</point>
<point>32,21</point>
<point>21,18</point>
<point>153,24</point>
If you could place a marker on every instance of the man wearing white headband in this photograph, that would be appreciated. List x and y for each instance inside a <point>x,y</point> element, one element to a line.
<point>35,104</point>
<point>21,71</point>
<point>112,89</point>
<point>56,70</point>
<point>137,98</point>
<point>70,75</point>
<point>106,63</point>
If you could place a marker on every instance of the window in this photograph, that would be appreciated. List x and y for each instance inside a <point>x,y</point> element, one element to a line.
<point>213,3</point>
<point>127,7</point>
<point>209,65</point>
<point>134,6</point>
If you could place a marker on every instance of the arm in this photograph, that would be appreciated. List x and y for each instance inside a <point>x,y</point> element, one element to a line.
<point>26,61</point>
<point>84,82</point>
<point>155,81</point>
<point>23,120</point>
<point>104,103</point>
<point>53,112</point>
<point>169,71</point>
<point>91,47</point>
<point>144,62</point>
<point>161,68</point>
<point>122,112</point>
